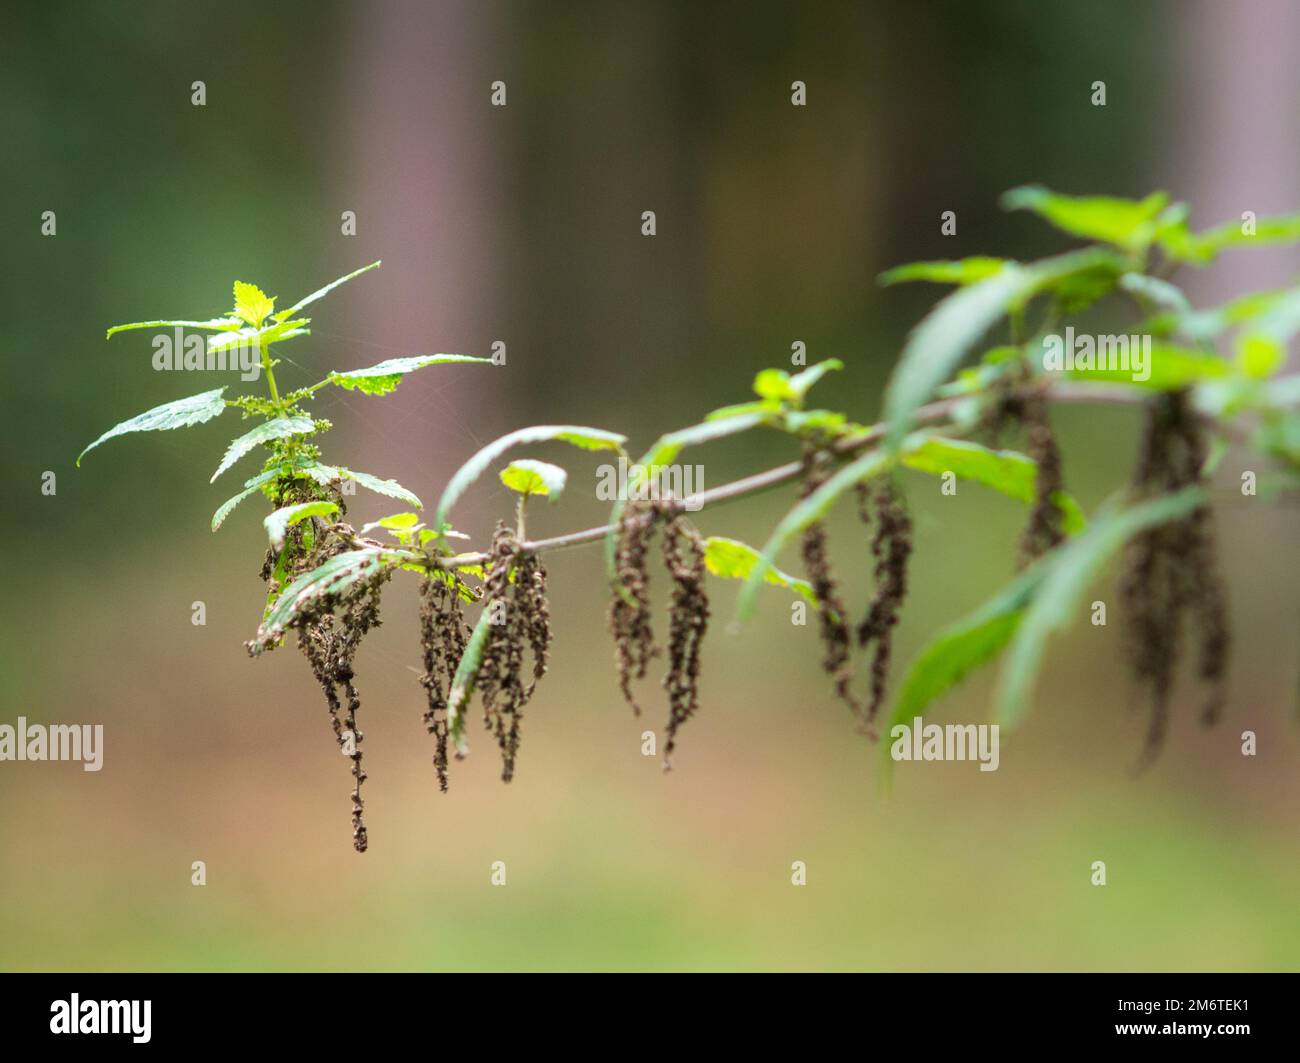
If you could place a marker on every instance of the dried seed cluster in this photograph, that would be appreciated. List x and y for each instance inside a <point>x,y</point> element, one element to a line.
<point>688,618</point>
<point>837,640</point>
<point>330,631</point>
<point>443,637</point>
<point>515,592</point>
<point>891,546</point>
<point>1020,405</point>
<point>1171,575</point>
<point>687,621</point>
<point>629,612</point>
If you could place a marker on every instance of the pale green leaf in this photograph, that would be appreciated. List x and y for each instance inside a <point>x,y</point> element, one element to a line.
<point>463,682</point>
<point>578,436</point>
<point>382,378</point>
<point>250,487</point>
<point>179,414</point>
<point>284,315</point>
<point>278,523</point>
<point>1127,223</point>
<point>732,559</point>
<point>964,271</point>
<point>1008,471</point>
<point>530,477</point>
<point>212,323</point>
<point>252,305</point>
<point>280,428</point>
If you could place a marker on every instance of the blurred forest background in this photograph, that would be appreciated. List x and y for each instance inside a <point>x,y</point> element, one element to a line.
<point>522,224</point>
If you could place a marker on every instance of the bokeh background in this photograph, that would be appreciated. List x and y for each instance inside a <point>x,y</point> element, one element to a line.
<point>522,224</point>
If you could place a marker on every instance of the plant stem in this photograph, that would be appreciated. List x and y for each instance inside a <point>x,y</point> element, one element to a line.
<point>849,446</point>
<point>270,373</point>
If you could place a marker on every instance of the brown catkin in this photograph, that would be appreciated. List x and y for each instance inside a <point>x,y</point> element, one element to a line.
<point>891,546</point>
<point>688,619</point>
<point>443,637</point>
<point>1171,576</point>
<point>629,609</point>
<point>515,594</point>
<point>836,638</point>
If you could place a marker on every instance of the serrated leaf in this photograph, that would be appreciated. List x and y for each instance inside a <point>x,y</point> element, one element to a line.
<point>1170,368</point>
<point>938,344</point>
<point>578,436</point>
<point>332,576</point>
<point>1127,223</point>
<point>211,323</point>
<point>178,414</point>
<point>807,511</point>
<point>320,293</point>
<point>280,428</point>
<point>1008,471</point>
<point>382,378</point>
<point>250,486</point>
<point>732,559</point>
<point>463,682</point>
<point>963,271</point>
<point>1201,248</point>
<point>252,305</point>
<point>278,523</point>
<point>530,477</point>
<point>1060,595</point>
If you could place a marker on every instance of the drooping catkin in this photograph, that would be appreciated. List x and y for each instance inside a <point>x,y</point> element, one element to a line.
<point>515,595</point>
<point>1171,576</point>
<point>629,611</point>
<point>688,619</point>
<point>833,624</point>
<point>443,637</point>
<point>891,546</point>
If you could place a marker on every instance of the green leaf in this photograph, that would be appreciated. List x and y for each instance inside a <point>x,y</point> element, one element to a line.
<point>530,477</point>
<point>939,343</point>
<point>732,559</point>
<point>397,522</point>
<point>823,421</point>
<point>964,271</point>
<point>463,682</point>
<point>382,378</point>
<point>250,486</point>
<point>280,428</point>
<point>665,448</point>
<point>1170,368</point>
<point>332,576</point>
<point>1008,471</point>
<point>1058,599</point>
<point>762,407</point>
<point>578,436</point>
<point>1157,292</point>
<point>1201,248</point>
<point>179,414</point>
<point>324,474</point>
<point>960,649</point>
<point>319,293</point>
<point>1126,223</point>
<point>252,304</point>
<point>278,523</point>
<point>808,511</point>
<point>776,385</point>
<point>211,323</point>
<point>252,337</point>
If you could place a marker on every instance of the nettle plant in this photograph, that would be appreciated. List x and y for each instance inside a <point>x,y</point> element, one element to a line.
<point>947,414</point>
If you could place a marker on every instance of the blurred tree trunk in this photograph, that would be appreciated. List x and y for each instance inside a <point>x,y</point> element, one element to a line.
<point>420,173</point>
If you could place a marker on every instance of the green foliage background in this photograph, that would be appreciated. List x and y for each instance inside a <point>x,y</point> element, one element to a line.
<point>773,223</point>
